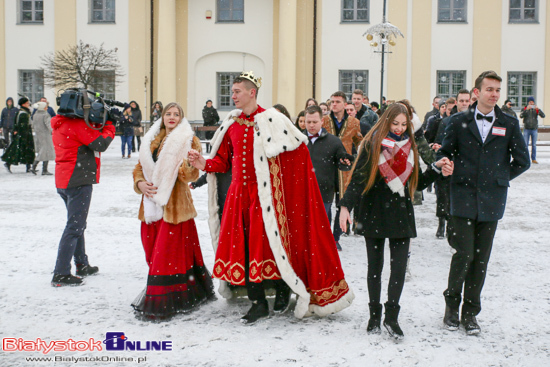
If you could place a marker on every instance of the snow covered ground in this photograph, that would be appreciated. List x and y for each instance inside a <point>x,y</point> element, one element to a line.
<point>514,320</point>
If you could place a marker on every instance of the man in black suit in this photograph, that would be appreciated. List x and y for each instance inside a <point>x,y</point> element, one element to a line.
<point>488,151</point>
<point>327,156</point>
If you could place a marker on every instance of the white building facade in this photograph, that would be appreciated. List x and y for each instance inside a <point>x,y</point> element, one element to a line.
<point>190,50</point>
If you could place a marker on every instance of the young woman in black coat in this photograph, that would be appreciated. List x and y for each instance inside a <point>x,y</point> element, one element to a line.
<point>385,176</point>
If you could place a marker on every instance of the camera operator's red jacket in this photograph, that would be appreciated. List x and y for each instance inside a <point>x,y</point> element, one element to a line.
<point>77,151</point>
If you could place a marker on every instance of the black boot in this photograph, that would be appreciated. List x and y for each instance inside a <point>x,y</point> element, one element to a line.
<point>375,318</point>
<point>390,321</point>
<point>450,320</point>
<point>45,169</point>
<point>282,298</point>
<point>440,234</point>
<point>470,324</point>
<point>29,168</point>
<point>7,167</point>
<point>258,311</point>
<point>34,165</point>
<point>59,280</point>
<point>85,270</point>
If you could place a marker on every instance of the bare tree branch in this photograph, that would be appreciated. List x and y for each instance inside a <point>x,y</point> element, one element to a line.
<point>81,66</point>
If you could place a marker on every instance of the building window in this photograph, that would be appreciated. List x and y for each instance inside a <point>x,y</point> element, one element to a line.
<point>349,80</point>
<point>230,11</point>
<point>225,82</point>
<point>103,81</point>
<point>521,85</point>
<point>450,82</point>
<point>451,11</point>
<point>31,84</point>
<point>355,11</point>
<point>31,11</point>
<point>524,11</point>
<point>102,11</point>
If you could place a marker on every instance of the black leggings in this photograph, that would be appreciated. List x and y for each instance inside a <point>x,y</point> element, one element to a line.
<point>399,249</point>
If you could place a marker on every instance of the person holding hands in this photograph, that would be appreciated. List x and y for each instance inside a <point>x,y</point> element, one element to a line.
<point>384,177</point>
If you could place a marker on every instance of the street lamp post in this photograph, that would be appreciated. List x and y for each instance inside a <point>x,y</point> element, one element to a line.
<point>383,36</point>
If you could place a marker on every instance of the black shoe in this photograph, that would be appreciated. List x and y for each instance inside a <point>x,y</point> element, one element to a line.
<point>470,324</point>
<point>390,321</point>
<point>440,234</point>
<point>46,173</point>
<point>375,318</point>
<point>338,247</point>
<point>258,311</point>
<point>59,280</point>
<point>282,299</point>
<point>7,167</point>
<point>450,320</point>
<point>86,270</point>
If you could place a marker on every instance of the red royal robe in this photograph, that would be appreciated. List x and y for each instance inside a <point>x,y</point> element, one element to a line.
<point>274,202</point>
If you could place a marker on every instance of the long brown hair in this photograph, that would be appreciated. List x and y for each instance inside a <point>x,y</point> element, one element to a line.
<point>374,139</point>
<point>162,133</point>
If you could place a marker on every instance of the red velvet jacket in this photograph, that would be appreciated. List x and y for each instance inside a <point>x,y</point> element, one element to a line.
<point>77,147</point>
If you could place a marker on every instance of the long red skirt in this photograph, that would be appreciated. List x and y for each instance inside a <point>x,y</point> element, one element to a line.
<point>178,281</point>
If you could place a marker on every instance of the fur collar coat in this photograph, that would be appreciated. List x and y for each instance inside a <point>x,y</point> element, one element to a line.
<point>171,173</point>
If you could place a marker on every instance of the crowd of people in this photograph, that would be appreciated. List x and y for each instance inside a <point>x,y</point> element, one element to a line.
<point>272,183</point>
<point>266,216</point>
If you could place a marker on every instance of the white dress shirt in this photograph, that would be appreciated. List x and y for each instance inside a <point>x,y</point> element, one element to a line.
<point>313,139</point>
<point>483,125</point>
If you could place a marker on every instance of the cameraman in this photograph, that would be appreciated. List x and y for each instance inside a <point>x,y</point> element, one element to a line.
<point>77,158</point>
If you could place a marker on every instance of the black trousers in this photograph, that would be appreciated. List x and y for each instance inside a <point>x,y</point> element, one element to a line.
<point>473,242</point>
<point>256,291</point>
<point>399,251</point>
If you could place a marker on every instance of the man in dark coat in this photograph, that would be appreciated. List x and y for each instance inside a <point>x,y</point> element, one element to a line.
<point>442,184</point>
<point>507,108</point>
<point>211,118</point>
<point>7,120</point>
<point>327,156</point>
<point>530,114</point>
<point>488,151</point>
<point>433,111</point>
<point>21,149</point>
<point>433,122</point>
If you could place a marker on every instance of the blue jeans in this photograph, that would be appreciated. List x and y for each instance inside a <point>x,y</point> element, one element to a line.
<point>126,140</point>
<point>328,211</point>
<point>533,133</point>
<point>336,230</point>
<point>72,244</point>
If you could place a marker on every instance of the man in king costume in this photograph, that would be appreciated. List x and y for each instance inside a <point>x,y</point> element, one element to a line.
<point>274,225</point>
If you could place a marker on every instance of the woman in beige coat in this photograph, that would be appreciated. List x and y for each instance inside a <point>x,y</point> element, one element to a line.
<point>43,143</point>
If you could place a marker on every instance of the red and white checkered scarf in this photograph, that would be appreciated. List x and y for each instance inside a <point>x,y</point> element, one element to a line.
<point>396,164</point>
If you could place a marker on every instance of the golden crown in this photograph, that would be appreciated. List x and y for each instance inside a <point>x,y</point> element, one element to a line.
<point>249,75</point>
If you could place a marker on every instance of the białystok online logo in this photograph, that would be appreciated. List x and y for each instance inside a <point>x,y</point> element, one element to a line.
<point>114,341</point>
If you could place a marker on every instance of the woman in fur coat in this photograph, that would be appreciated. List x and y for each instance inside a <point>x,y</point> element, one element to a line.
<point>178,281</point>
<point>384,178</point>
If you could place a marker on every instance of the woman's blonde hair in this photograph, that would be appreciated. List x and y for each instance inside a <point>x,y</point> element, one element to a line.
<point>374,139</point>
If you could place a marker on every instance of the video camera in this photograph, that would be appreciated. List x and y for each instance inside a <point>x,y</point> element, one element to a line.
<point>88,105</point>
